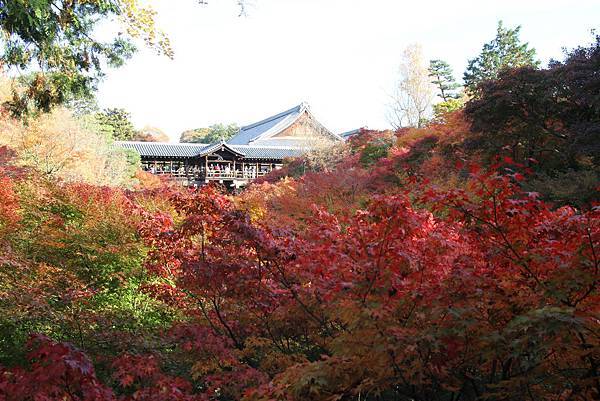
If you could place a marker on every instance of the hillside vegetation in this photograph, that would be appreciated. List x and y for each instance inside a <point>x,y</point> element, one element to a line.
<point>457,261</point>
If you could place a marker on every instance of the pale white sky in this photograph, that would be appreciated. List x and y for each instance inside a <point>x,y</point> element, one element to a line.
<point>341,56</point>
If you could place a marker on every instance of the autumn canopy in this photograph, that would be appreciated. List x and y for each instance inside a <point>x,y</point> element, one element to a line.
<point>458,260</point>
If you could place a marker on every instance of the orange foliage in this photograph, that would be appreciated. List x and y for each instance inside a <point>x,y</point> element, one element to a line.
<point>404,271</point>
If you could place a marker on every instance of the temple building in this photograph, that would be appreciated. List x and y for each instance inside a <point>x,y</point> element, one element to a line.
<point>254,151</point>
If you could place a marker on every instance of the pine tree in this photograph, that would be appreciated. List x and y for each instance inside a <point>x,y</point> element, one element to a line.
<point>505,51</point>
<point>443,79</point>
<point>116,123</point>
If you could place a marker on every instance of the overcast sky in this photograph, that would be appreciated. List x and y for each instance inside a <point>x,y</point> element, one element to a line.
<point>341,56</point>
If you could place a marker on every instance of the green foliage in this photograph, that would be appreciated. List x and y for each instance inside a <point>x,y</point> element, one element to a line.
<point>214,133</point>
<point>546,120</point>
<point>133,160</point>
<point>504,51</point>
<point>576,187</point>
<point>83,106</point>
<point>443,108</point>
<point>74,272</point>
<point>372,152</point>
<point>443,78</point>
<point>219,132</point>
<point>74,149</point>
<point>458,284</point>
<point>116,123</point>
<point>57,41</point>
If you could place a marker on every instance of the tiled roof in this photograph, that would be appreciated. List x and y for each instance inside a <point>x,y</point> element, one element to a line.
<point>161,149</point>
<point>254,141</point>
<point>273,124</point>
<point>218,146</point>
<point>267,152</point>
<point>284,142</point>
<point>349,134</point>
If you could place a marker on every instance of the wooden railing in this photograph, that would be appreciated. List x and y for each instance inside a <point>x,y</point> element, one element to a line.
<point>214,174</point>
<point>237,175</point>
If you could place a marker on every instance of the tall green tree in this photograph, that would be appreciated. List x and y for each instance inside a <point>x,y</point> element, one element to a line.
<point>505,51</point>
<point>220,132</point>
<point>116,123</point>
<point>443,78</point>
<point>83,106</point>
<point>212,134</point>
<point>547,119</point>
<point>56,43</point>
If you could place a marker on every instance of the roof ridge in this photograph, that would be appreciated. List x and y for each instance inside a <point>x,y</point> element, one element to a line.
<point>269,147</point>
<point>215,146</point>
<point>297,108</point>
<point>165,143</point>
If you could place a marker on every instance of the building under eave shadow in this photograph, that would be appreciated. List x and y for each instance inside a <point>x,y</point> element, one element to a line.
<point>253,152</point>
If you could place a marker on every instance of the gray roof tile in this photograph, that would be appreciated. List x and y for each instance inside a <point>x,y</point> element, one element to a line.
<point>172,150</point>
<point>247,141</point>
<point>348,134</point>
<point>283,142</point>
<point>162,149</point>
<point>268,152</point>
<point>217,146</point>
<point>276,123</point>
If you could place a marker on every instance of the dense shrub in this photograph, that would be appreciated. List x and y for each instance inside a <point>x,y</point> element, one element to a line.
<point>419,265</point>
<point>547,120</point>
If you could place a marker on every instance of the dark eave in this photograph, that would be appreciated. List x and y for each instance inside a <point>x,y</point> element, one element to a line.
<point>166,151</point>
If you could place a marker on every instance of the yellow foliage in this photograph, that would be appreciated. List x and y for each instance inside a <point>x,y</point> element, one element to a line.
<point>56,144</point>
<point>257,199</point>
<point>271,360</point>
<point>5,89</point>
<point>140,22</point>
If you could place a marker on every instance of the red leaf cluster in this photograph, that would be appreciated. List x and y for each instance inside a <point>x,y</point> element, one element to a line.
<point>56,371</point>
